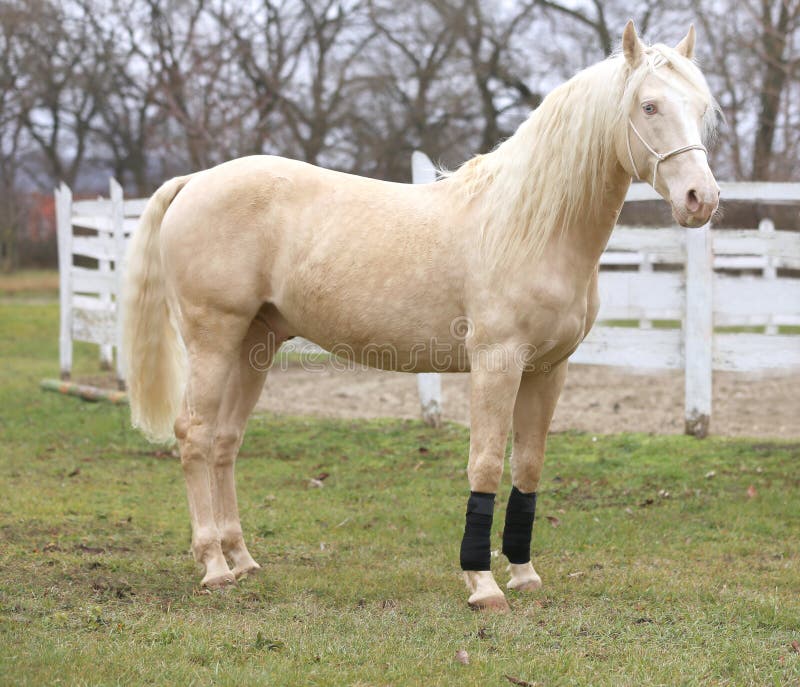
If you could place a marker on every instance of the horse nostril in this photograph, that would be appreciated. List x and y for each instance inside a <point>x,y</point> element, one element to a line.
<point>692,201</point>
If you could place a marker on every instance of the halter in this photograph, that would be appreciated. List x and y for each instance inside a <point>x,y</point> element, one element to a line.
<point>654,62</point>
<point>660,157</point>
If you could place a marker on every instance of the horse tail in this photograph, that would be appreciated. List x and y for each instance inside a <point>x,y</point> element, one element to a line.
<point>154,353</point>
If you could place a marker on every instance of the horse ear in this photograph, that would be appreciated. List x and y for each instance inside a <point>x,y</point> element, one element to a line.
<point>631,45</point>
<point>686,46</point>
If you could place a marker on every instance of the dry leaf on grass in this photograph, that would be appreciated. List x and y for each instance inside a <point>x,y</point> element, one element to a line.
<point>520,683</point>
<point>462,657</point>
<point>553,520</point>
<point>751,492</point>
<point>795,646</point>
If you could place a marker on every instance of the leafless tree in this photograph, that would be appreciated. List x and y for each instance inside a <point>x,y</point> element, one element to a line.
<point>12,122</point>
<point>488,32</point>
<point>66,80</point>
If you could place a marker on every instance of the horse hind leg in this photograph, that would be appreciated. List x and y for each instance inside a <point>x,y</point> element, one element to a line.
<point>242,392</point>
<point>212,356</point>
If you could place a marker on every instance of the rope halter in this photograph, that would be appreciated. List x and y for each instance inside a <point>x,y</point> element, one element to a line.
<point>654,62</point>
<point>660,157</point>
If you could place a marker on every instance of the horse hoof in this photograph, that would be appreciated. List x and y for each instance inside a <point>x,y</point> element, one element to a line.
<point>523,578</point>
<point>240,572</point>
<point>524,585</point>
<point>219,582</point>
<point>493,604</point>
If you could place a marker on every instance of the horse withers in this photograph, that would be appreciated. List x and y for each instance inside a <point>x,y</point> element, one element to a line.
<point>492,270</point>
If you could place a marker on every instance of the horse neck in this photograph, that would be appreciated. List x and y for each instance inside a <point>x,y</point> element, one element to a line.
<point>582,226</point>
<point>585,238</point>
<point>556,184</point>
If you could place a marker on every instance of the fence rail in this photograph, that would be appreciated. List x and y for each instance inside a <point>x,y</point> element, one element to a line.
<point>665,293</point>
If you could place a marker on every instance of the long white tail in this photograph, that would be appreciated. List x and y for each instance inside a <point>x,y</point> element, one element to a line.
<point>152,345</point>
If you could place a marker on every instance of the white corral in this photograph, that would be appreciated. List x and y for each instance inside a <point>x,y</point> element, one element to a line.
<point>88,295</point>
<point>647,276</point>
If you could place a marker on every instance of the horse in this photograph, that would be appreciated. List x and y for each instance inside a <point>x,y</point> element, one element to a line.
<point>496,263</point>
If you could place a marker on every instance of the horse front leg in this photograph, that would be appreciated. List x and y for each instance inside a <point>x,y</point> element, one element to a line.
<point>536,400</point>
<point>493,387</point>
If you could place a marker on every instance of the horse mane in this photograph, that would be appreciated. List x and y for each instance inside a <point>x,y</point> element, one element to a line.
<point>551,173</point>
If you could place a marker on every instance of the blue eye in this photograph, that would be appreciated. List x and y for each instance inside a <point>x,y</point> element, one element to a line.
<point>649,109</point>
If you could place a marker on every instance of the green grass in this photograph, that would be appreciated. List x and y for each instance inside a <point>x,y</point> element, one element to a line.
<point>360,583</point>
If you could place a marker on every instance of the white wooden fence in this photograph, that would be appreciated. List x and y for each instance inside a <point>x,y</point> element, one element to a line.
<point>666,293</point>
<point>96,233</point>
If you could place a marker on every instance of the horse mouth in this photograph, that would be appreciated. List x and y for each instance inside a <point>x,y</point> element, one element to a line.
<point>688,220</point>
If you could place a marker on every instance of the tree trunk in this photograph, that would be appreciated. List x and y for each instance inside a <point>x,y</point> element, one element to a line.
<point>773,43</point>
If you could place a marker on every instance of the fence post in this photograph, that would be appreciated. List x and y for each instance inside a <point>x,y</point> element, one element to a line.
<point>429,384</point>
<point>104,267</point>
<point>767,226</point>
<point>698,329</point>
<point>118,235</point>
<point>63,198</point>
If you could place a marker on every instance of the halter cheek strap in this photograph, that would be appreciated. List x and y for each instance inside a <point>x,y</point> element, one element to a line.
<point>660,157</point>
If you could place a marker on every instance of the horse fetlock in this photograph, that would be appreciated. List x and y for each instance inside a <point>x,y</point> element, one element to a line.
<point>208,551</point>
<point>206,547</point>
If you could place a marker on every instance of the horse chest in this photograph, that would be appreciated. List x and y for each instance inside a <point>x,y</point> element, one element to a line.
<point>554,321</point>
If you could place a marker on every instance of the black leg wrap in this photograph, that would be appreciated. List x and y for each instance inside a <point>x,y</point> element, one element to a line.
<point>519,526</point>
<point>476,544</point>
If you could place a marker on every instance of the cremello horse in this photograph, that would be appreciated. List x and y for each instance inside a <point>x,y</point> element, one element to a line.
<point>497,262</point>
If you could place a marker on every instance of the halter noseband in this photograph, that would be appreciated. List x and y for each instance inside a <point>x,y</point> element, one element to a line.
<point>660,157</point>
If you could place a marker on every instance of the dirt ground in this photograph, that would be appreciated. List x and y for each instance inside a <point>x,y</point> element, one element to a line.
<point>595,399</point>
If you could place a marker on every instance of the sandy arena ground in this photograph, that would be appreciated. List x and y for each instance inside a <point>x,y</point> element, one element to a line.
<point>595,399</point>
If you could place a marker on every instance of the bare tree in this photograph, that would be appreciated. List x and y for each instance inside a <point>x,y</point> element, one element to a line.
<point>268,41</point>
<point>12,122</point>
<point>316,106</point>
<point>778,20</point>
<point>488,34</point>
<point>66,82</point>
<point>750,54</point>
<point>410,95</point>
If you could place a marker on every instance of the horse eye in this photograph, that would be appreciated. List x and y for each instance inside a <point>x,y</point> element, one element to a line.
<point>649,108</point>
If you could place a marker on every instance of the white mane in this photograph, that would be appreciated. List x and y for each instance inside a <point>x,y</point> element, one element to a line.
<point>550,173</point>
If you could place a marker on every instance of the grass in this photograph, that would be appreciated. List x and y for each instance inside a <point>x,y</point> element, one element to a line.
<point>360,583</point>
